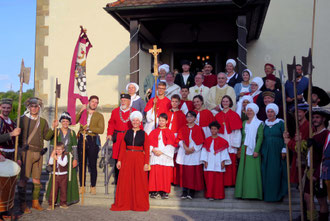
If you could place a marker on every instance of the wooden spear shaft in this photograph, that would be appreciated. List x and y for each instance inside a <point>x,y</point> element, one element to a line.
<point>18,115</point>
<point>310,85</point>
<point>83,168</point>
<point>298,143</point>
<point>54,161</point>
<point>287,151</point>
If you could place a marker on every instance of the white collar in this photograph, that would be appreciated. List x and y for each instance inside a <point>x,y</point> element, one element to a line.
<point>124,110</point>
<point>222,87</point>
<point>270,124</point>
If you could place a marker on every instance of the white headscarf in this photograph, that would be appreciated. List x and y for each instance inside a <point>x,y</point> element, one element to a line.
<point>231,61</point>
<point>134,84</point>
<point>260,83</point>
<point>136,114</point>
<point>248,71</point>
<point>240,103</point>
<point>165,67</point>
<point>251,130</point>
<point>275,108</point>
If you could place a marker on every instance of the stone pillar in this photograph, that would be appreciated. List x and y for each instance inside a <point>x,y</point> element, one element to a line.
<point>134,51</point>
<point>241,41</point>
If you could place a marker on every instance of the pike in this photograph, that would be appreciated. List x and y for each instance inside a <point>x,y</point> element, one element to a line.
<point>24,77</point>
<point>292,77</point>
<point>282,77</point>
<point>307,63</point>
<point>155,52</point>
<point>57,96</point>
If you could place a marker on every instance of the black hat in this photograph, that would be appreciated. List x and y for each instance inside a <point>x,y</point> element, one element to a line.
<point>127,96</point>
<point>301,106</point>
<point>323,96</point>
<point>321,111</point>
<point>185,62</point>
<point>207,63</point>
<point>65,115</point>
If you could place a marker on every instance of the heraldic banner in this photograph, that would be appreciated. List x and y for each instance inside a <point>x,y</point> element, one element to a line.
<point>78,83</point>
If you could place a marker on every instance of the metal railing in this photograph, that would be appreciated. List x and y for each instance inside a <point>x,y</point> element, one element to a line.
<point>106,162</point>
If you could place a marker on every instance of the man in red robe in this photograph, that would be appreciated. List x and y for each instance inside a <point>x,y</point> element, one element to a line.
<point>159,104</point>
<point>118,124</point>
<point>210,79</point>
<point>185,105</point>
<point>291,142</point>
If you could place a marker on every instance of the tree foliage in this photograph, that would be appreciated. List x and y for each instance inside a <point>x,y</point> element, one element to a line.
<point>15,96</point>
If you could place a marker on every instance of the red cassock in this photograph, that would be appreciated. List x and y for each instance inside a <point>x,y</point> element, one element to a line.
<point>162,105</point>
<point>189,104</point>
<point>231,121</point>
<point>214,181</point>
<point>161,176</point>
<point>191,176</point>
<point>304,130</point>
<point>132,191</point>
<point>176,120</point>
<point>206,117</point>
<point>118,124</point>
<point>210,80</point>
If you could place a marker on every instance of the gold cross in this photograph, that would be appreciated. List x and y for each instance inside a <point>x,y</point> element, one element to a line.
<point>155,52</point>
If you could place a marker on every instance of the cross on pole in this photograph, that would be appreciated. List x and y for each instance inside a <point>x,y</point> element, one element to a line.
<point>155,52</point>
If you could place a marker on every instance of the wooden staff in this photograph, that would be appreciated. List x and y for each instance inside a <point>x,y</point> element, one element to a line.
<point>57,96</point>
<point>286,130</point>
<point>83,167</point>
<point>155,52</point>
<point>309,99</point>
<point>24,77</point>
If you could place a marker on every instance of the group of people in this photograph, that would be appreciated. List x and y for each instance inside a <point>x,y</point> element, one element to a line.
<point>196,131</point>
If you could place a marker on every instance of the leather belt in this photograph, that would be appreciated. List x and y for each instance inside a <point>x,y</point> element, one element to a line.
<point>134,150</point>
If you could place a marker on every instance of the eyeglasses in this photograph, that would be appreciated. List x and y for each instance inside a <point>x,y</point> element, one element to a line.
<point>161,88</point>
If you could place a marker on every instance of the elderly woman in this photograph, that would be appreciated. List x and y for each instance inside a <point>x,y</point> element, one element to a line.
<point>248,181</point>
<point>243,88</point>
<point>273,165</point>
<point>136,101</point>
<point>256,85</point>
<point>241,106</point>
<point>69,139</point>
<point>232,77</point>
<point>133,163</point>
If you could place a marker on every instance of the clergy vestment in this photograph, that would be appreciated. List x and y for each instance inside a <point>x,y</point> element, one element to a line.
<point>171,90</point>
<point>273,167</point>
<point>132,191</point>
<point>162,106</point>
<point>192,169</point>
<point>216,93</point>
<point>195,90</point>
<point>161,173</point>
<point>186,106</point>
<point>203,119</point>
<point>176,120</point>
<point>230,130</point>
<point>214,152</point>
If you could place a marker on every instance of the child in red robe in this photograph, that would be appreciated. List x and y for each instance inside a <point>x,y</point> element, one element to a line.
<point>215,158</point>
<point>162,142</point>
<point>185,105</point>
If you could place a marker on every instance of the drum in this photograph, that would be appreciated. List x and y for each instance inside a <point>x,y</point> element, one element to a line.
<point>9,171</point>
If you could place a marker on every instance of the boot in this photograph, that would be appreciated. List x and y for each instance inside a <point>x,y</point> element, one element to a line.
<point>93,190</point>
<point>36,205</point>
<point>35,197</point>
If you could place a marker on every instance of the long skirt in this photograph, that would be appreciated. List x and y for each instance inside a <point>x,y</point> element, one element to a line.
<point>160,178</point>
<point>214,182</point>
<point>231,170</point>
<point>192,177</point>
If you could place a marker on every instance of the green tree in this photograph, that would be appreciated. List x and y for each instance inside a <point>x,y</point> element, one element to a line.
<point>15,96</point>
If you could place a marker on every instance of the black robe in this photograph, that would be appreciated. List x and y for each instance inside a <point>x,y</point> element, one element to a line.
<point>190,81</point>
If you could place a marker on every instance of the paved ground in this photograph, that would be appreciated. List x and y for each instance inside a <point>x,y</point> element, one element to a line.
<point>81,213</point>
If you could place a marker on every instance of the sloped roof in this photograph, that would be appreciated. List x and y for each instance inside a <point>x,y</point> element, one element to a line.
<point>129,3</point>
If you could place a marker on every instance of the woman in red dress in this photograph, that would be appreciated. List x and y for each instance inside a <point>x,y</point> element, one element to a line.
<point>133,163</point>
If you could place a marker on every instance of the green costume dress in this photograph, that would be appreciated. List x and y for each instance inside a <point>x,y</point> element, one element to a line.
<point>273,167</point>
<point>248,181</point>
<point>70,142</point>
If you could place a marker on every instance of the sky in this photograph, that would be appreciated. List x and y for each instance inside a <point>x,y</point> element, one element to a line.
<point>17,25</point>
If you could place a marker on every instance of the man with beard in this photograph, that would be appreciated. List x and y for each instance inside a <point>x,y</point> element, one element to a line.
<point>302,85</point>
<point>210,79</point>
<point>34,130</point>
<point>8,132</point>
<point>118,124</point>
<point>94,127</point>
<point>320,98</point>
